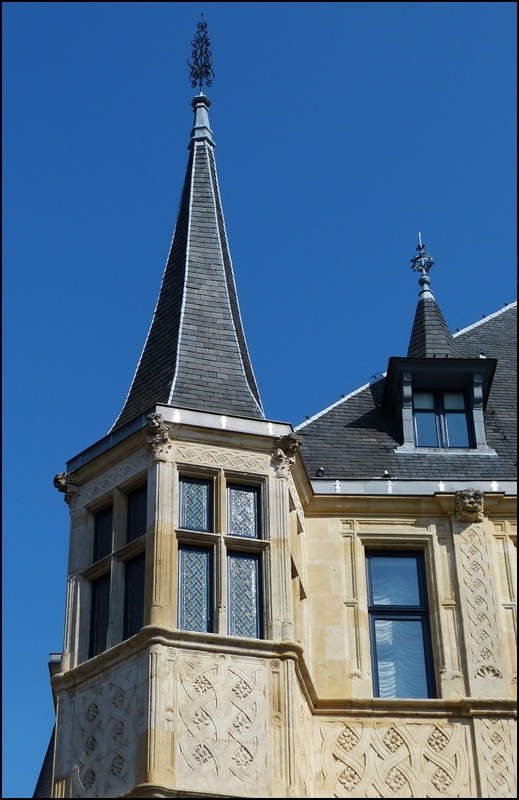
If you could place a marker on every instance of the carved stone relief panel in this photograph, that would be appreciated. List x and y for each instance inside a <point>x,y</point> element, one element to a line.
<point>396,758</point>
<point>496,749</point>
<point>192,454</point>
<point>112,478</point>
<point>304,750</point>
<point>479,605</point>
<point>222,713</point>
<point>103,751</point>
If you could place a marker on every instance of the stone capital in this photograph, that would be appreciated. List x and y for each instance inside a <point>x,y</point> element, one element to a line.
<point>158,434</point>
<point>67,483</point>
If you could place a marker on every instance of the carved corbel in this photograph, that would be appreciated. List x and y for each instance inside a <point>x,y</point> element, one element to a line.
<point>285,453</point>
<point>470,505</point>
<point>67,483</point>
<point>158,437</point>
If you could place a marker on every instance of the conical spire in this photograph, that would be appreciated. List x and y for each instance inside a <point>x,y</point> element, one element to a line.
<point>430,337</point>
<point>195,355</point>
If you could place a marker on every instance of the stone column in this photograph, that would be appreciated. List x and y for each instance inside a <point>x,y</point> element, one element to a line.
<point>161,550</point>
<point>280,624</point>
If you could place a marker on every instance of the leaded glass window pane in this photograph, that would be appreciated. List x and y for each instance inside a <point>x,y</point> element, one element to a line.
<point>134,595</point>
<point>195,592</point>
<point>100,610</point>
<point>137,513</point>
<point>195,502</point>
<point>103,533</point>
<point>244,596</point>
<point>243,512</point>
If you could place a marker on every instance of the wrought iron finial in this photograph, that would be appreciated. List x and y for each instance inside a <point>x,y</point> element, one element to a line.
<point>202,59</point>
<point>423,261</point>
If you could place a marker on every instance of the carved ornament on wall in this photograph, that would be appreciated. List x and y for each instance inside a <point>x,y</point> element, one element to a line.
<point>470,505</point>
<point>158,436</point>
<point>285,453</point>
<point>67,483</point>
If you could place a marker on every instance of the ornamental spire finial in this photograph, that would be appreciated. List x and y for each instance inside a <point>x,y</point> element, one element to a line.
<point>202,59</point>
<point>423,261</point>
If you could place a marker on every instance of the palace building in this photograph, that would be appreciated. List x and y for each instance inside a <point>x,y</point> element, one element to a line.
<point>259,611</point>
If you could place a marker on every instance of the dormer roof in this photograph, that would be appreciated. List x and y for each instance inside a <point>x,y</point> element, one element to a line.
<point>430,336</point>
<point>195,355</point>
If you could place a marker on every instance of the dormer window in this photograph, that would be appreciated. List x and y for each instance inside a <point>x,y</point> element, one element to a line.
<point>440,419</point>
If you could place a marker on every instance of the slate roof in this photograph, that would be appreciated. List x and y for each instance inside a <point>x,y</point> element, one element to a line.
<point>430,336</point>
<point>44,782</point>
<point>195,355</point>
<point>356,437</point>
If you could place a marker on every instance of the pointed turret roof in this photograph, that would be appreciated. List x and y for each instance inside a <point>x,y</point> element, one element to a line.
<point>195,355</point>
<point>430,337</point>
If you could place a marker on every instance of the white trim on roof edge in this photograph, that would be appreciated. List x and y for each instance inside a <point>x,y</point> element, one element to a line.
<point>485,319</point>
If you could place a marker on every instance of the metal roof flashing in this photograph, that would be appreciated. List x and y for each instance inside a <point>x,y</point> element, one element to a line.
<point>180,416</point>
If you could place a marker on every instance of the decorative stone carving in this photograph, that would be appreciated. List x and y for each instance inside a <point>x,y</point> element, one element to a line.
<point>488,672</point>
<point>67,483</point>
<point>220,458</point>
<point>396,759</point>
<point>111,479</point>
<point>103,750</point>
<point>285,454</point>
<point>158,437</point>
<point>496,751</point>
<point>222,737</point>
<point>470,505</point>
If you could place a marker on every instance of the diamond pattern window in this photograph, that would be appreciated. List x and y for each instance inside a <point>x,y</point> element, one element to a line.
<point>195,504</point>
<point>243,511</point>
<point>195,589</point>
<point>399,625</point>
<point>244,595</point>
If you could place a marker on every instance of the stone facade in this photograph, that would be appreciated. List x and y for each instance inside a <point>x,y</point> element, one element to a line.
<point>169,713</point>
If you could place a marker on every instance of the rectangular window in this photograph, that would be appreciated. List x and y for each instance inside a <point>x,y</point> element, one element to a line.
<point>243,511</point>
<point>195,589</point>
<point>244,595</point>
<point>441,419</point>
<point>399,625</point>
<point>196,505</point>
<point>103,533</point>
<point>134,595</point>
<point>99,615</point>
<point>137,513</point>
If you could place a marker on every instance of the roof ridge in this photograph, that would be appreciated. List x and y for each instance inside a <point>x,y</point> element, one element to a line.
<point>482,321</point>
<point>342,400</point>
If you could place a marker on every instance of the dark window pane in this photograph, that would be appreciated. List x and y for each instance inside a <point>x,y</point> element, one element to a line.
<point>100,610</point>
<point>243,512</point>
<point>195,505</point>
<point>423,400</point>
<point>426,435</point>
<point>400,658</point>
<point>453,400</point>
<point>195,592</point>
<point>244,601</point>
<point>137,512</point>
<point>457,430</point>
<point>103,533</point>
<point>394,580</point>
<point>134,595</point>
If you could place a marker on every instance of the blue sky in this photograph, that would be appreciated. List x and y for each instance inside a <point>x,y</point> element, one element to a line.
<point>342,129</point>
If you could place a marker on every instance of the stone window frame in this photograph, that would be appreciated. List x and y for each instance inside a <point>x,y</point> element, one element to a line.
<point>421,611</point>
<point>220,544</point>
<point>439,606</point>
<point>114,563</point>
